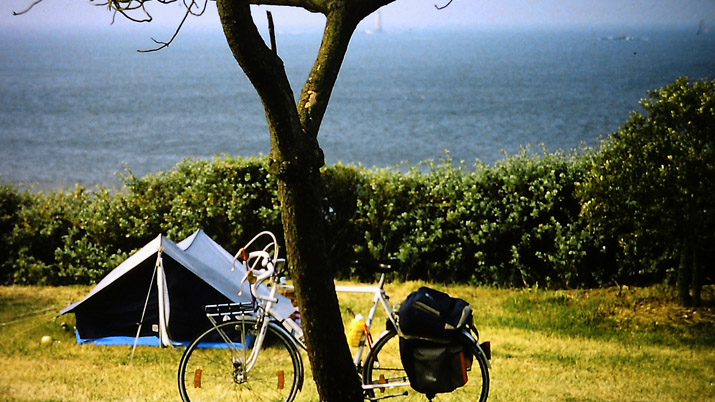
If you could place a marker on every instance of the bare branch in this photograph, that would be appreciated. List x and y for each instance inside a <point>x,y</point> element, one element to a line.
<point>117,6</point>
<point>127,7</point>
<point>135,11</point>
<point>201,11</point>
<point>130,18</point>
<point>444,6</point>
<point>28,8</point>
<point>315,6</point>
<point>176,33</point>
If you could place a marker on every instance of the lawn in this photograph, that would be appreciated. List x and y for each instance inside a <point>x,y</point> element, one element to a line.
<point>616,344</point>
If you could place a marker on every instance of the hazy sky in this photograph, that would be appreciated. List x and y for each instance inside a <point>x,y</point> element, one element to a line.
<point>412,13</point>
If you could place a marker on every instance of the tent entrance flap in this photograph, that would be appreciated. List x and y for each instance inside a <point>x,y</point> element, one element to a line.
<point>163,302</point>
<point>164,306</point>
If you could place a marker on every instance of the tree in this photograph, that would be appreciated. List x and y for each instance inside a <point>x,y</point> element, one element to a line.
<point>651,192</point>
<point>295,159</point>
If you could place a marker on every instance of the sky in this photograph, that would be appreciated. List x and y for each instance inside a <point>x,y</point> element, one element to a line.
<point>401,13</point>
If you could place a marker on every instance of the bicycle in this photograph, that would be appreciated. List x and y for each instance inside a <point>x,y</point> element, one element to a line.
<point>252,354</point>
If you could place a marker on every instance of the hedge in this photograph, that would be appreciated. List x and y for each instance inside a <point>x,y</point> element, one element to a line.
<point>514,224</point>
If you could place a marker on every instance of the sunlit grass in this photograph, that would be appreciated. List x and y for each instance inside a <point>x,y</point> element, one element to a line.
<point>584,345</point>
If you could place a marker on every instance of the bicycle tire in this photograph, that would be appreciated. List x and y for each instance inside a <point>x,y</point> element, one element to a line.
<point>384,366</point>
<point>209,366</point>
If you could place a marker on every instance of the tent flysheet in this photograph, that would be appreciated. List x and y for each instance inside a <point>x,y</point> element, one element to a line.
<point>157,295</point>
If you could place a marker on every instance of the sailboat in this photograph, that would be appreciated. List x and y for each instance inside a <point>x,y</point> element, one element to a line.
<point>378,24</point>
<point>702,28</point>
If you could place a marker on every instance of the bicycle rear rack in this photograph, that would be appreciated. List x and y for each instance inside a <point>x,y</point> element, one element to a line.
<point>217,310</point>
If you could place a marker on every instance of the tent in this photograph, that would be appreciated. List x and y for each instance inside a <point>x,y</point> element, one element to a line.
<point>157,296</point>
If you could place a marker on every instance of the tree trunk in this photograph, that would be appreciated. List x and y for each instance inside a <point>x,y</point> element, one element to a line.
<point>296,159</point>
<point>333,370</point>
<point>698,275</point>
<point>685,274</point>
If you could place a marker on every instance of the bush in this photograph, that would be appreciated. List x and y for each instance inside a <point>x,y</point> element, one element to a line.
<point>12,201</point>
<point>650,193</point>
<point>64,237</point>
<point>514,224</point>
<point>38,230</point>
<point>229,198</point>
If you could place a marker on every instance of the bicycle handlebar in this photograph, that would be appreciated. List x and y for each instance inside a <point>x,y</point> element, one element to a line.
<point>260,274</point>
<point>257,263</point>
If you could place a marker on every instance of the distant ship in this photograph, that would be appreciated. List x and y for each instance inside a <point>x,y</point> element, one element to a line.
<point>378,24</point>
<point>702,28</point>
<point>621,37</point>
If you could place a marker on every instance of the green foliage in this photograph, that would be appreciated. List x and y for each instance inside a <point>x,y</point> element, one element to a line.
<point>12,201</point>
<point>343,184</point>
<point>38,231</point>
<point>650,191</point>
<point>229,198</point>
<point>67,237</point>
<point>511,224</point>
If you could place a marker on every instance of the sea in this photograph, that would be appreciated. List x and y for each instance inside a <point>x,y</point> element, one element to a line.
<point>79,107</point>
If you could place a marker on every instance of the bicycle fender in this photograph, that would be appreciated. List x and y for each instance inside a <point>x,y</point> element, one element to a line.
<point>479,348</point>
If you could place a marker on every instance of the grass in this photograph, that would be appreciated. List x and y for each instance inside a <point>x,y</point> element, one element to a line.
<point>614,344</point>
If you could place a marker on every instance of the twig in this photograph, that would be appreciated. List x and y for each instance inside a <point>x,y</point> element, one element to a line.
<point>166,44</point>
<point>125,7</point>
<point>444,6</point>
<point>28,8</point>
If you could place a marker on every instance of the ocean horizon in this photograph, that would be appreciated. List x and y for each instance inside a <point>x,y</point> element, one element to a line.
<point>79,106</point>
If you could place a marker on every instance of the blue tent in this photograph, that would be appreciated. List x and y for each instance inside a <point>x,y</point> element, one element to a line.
<point>157,296</point>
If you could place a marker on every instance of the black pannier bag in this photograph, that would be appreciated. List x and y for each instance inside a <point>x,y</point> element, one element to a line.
<point>432,354</point>
<point>429,314</point>
<point>435,367</point>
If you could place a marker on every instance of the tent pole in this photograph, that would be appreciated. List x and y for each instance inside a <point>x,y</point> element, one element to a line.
<point>146,303</point>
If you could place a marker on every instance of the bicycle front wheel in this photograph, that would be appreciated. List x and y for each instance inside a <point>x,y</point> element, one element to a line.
<point>383,374</point>
<point>214,367</point>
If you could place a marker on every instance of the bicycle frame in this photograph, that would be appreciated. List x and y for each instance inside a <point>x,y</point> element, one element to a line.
<point>380,298</point>
<point>264,315</point>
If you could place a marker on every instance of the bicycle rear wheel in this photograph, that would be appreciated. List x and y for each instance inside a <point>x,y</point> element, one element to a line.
<point>384,375</point>
<point>213,366</point>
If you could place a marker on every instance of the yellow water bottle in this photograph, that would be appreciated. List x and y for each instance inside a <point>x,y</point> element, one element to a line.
<point>357,328</point>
